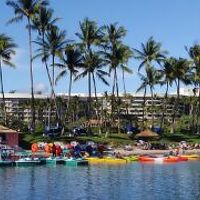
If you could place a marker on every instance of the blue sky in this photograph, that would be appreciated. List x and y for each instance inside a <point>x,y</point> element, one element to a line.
<point>174,23</point>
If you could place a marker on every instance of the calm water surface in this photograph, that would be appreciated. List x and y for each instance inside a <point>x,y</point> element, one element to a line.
<point>122,182</point>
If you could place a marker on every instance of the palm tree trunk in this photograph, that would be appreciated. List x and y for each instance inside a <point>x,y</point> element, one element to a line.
<point>2,92</point>
<point>31,76</point>
<point>124,85</point>
<point>176,107</point>
<point>152,107</point>
<point>69,90</point>
<point>89,96</point>
<point>50,81</point>
<point>164,106</point>
<point>144,105</point>
<point>198,113</point>
<point>118,103</point>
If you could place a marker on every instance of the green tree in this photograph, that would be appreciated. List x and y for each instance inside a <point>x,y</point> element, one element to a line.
<point>150,52</point>
<point>52,47</point>
<point>70,61</point>
<point>181,74</point>
<point>7,50</point>
<point>43,22</point>
<point>194,53</point>
<point>90,36</point>
<point>27,9</point>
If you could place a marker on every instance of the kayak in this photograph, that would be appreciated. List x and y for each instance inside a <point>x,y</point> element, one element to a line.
<point>96,160</point>
<point>170,159</point>
<point>191,156</point>
<point>131,158</point>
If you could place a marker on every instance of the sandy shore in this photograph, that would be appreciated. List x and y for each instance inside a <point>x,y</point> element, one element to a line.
<point>142,152</point>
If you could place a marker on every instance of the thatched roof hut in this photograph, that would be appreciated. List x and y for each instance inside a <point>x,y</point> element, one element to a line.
<point>147,134</point>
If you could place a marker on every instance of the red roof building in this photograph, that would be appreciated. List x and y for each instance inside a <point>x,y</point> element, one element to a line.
<point>9,137</point>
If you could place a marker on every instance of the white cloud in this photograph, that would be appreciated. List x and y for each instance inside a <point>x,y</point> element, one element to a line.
<point>40,87</point>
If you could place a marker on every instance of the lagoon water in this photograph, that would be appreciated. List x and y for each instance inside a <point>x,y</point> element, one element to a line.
<point>119,182</point>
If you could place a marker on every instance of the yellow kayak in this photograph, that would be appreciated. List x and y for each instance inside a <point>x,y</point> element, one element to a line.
<point>96,160</point>
<point>131,158</point>
<point>191,156</point>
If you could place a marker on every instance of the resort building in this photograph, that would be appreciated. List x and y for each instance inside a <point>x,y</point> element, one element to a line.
<point>18,105</point>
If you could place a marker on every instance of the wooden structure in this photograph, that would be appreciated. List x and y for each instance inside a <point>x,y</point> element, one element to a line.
<point>9,137</point>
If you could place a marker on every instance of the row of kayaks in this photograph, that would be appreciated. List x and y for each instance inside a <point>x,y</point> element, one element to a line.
<point>144,158</point>
<point>97,160</point>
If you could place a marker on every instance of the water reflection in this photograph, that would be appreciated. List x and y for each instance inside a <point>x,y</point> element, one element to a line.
<point>133,181</point>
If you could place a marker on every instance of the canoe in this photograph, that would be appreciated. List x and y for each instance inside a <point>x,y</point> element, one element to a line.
<point>75,162</point>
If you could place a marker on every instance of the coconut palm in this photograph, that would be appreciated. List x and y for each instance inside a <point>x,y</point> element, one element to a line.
<point>90,35</point>
<point>92,67</point>
<point>26,9</point>
<point>43,21</point>
<point>167,78</point>
<point>181,74</point>
<point>151,79</point>
<point>70,61</point>
<point>150,52</point>
<point>194,53</point>
<point>50,47</point>
<point>114,51</point>
<point>7,50</point>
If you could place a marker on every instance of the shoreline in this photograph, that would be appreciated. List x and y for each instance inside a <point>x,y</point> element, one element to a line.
<point>152,152</point>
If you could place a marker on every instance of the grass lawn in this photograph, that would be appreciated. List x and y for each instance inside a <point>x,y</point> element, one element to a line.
<point>114,139</point>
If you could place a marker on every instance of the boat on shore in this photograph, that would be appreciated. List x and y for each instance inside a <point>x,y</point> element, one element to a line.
<point>106,160</point>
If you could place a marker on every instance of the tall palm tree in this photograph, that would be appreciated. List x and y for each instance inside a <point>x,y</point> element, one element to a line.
<point>151,79</point>
<point>126,55</point>
<point>92,67</point>
<point>116,56</point>
<point>90,35</point>
<point>181,73</point>
<point>51,47</point>
<point>27,9</point>
<point>7,47</point>
<point>194,53</point>
<point>167,78</point>
<point>71,61</point>
<point>150,52</point>
<point>114,51</point>
<point>43,22</point>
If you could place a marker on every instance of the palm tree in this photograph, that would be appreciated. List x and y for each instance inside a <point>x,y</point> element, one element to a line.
<point>114,51</point>
<point>71,61</point>
<point>167,78</point>
<point>116,56</point>
<point>151,79</point>
<point>150,52</point>
<point>50,47</point>
<point>180,73</point>
<point>92,67</point>
<point>126,55</point>
<point>7,47</point>
<point>194,53</point>
<point>90,36</point>
<point>27,9</point>
<point>43,22</point>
